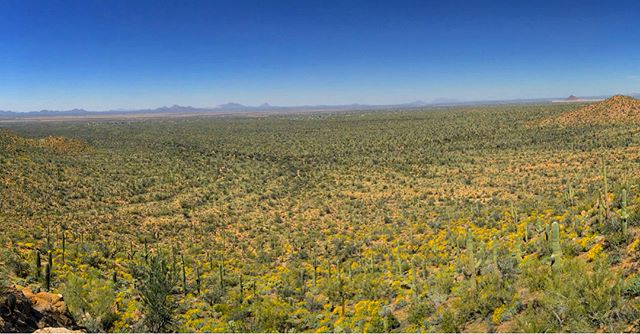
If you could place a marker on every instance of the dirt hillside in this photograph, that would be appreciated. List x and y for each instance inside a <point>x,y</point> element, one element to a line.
<point>618,108</point>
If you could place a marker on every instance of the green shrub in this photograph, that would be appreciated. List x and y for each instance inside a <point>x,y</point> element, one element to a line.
<point>634,214</point>
<point>576,297</point>
<point>418,311</point>
<point>4,277</point>
<point>91,301</point>
<point>632,286</point>
<point>449,323</point>
<point>534,274</point>
<point>270,315</point>
<point>15,263</point>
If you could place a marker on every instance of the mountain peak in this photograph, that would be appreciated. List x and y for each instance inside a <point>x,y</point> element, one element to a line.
<point>232,105</point>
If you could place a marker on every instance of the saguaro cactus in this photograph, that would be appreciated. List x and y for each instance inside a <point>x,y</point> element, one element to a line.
<point>624,213</point>
<point>414,279</point>
<point>547,233</point>
<point>198,279</point>
<point>184,275</point>
<point>606,188</point>
<point>253,288</point>
<point>48,237</point>
<point>570,197</point>
<point>221,276</point>
<point>343,299</point>
<point>554,239</point>
<point>241,297</point>
<point>47,276</point>
<point>50,261</point>
<point>514,216</point>
<point>315,270</point>
<point>601,210</point>
<point>37,264</point>
<point>518,251</point>
<point>458,265</point>
<point>399,263</point>
<point>482,250</point>
<point>471,261</point>
<point>469,240</point>
<point>64,245</point>
<point>494,253</point>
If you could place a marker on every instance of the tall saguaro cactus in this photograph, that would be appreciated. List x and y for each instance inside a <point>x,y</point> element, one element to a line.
<point>399,262</point>
<point>184,275</point>
<point>494,254</point>
<point>315,271</point>
<point>554,240</point>
<point>570,199</point>
<point>221,276</point>
<point>198,278</point>
<point>471,261</point>
<point>602,213</point>
<point>624,213</point>
<point>47,276</point>
<point>605,182</point>
<point>37,264</point>
<point>50,259</point>
<point>514,216</point>
<point>64,245</point>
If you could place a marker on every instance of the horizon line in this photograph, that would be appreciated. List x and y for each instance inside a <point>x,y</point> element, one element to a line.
<point>265,105</point>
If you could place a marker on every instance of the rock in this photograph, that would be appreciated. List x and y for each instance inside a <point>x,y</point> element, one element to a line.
<point>27,293</point>
<point>23,311</point>
<point>45,302</point>
<point>50,297</point>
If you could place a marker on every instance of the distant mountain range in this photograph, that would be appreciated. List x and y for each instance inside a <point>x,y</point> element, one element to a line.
<point>237,107</point>
<point>223,108</point>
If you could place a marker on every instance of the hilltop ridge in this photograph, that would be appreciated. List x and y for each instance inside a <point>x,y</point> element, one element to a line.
<point>618,108</point>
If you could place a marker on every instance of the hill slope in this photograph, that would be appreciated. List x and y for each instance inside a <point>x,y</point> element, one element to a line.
<point>618,108</point>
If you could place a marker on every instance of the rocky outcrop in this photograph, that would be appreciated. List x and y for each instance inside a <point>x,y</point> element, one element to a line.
<point>25,311</point>
<point>44,302</point>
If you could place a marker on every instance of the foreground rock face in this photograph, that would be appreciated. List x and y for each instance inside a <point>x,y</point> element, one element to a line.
<point>46,302</point>
<point>25,311</point>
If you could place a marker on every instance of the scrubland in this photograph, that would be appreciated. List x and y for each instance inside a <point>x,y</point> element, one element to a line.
<point>461,219</point>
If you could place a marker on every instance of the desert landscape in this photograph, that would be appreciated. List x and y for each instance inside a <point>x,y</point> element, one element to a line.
<point>348,166</point>
<point>464,219</point>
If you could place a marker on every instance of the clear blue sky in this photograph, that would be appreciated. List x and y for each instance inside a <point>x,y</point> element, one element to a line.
<point>134,54</point>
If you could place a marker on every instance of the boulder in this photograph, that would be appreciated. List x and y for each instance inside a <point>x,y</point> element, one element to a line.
<point>25,311</point>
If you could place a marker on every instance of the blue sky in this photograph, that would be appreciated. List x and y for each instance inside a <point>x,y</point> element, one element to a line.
<point>103,54</point>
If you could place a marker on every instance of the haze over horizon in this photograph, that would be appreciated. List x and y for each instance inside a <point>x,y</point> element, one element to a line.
<point>101,55</point>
